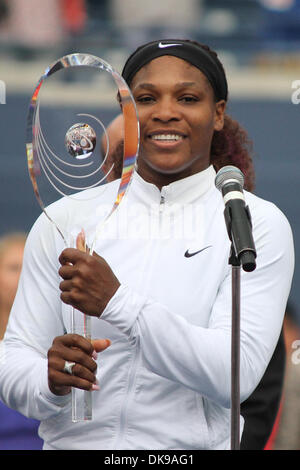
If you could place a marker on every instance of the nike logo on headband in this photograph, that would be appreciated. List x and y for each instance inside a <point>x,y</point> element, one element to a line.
<point>187,254</point>
<point>162,46</point>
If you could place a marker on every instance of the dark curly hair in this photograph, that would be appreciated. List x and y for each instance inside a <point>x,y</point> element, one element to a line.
<point>231,145</point>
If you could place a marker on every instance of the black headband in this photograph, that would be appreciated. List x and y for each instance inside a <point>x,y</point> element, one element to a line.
<point>186,50</point>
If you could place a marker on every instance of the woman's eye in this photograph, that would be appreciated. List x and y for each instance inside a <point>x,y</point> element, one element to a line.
<point>189,99</point>
<point>144,99</point>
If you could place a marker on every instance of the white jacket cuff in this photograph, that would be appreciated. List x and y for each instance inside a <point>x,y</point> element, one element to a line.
<point>48,400</point>
<point>123,308</point>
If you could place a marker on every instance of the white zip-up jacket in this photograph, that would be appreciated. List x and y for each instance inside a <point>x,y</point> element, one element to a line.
<point>165,379</point>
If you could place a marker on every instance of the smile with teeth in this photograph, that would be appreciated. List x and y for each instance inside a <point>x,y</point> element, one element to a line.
<point>167,137</point>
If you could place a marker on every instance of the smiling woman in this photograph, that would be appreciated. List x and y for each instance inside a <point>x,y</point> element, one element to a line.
<point>162,298</point>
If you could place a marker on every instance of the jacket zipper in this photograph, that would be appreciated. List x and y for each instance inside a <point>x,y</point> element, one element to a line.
<point>133,369</point>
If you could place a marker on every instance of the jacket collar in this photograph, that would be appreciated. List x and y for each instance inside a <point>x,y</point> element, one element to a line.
<point>182,191</point>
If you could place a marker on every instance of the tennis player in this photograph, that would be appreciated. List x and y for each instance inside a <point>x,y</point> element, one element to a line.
<point>159,288</point>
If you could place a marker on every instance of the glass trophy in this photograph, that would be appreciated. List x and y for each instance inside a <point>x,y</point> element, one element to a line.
<point>72,104</point>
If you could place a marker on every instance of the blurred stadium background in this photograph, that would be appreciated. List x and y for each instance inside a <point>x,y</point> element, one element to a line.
<point>257,41</point>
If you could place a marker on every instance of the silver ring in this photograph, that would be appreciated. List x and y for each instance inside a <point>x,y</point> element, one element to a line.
<point>68,367</point>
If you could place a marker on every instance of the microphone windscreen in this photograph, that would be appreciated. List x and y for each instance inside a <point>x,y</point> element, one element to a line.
<point>227,174</point>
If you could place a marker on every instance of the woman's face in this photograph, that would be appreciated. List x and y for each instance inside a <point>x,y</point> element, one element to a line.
<point>178,116</point>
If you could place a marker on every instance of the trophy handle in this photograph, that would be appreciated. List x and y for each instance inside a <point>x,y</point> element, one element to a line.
<point>81,325</point>
<point>81,399</point>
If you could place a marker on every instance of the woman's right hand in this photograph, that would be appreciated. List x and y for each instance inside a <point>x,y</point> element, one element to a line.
<point>74,348</point>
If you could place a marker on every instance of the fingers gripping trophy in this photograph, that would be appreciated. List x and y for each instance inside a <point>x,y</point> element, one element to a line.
<point>71,162</point>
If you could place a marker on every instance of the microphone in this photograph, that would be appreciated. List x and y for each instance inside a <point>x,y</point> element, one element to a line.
<point>230,181</point>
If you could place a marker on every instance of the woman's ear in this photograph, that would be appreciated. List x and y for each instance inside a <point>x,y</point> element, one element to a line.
<point>219,115</point>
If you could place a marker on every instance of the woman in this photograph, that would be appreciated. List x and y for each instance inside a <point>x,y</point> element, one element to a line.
<point>161,287</point>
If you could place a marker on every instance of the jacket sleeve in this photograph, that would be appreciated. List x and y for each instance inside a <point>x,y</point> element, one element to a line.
<point>34,320</point>
<point>200,358</point>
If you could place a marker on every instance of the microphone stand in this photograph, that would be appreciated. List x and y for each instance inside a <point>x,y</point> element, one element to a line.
<point>235,350</point>
<point>243,253</point>
<point>234,261</point>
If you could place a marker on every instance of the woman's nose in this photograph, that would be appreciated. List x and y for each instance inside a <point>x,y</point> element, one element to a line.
<point>166,110</point>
